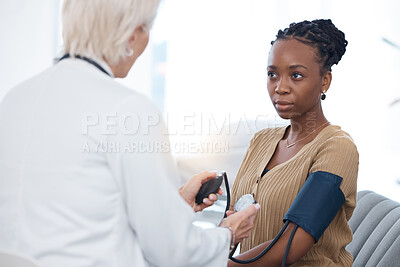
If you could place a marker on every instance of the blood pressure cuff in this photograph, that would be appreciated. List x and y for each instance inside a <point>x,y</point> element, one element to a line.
<point>317,203</point>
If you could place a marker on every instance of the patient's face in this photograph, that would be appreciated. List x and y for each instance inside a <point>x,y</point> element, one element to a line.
<point>294,78</point>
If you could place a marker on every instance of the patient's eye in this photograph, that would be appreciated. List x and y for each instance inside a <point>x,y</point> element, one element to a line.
<point>271,74</point>
<point>297,75</point>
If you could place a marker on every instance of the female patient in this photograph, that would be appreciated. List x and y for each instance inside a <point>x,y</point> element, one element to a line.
<point>280,160</point>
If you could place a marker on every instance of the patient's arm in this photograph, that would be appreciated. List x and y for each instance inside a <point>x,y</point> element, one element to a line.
<point>302,242</point>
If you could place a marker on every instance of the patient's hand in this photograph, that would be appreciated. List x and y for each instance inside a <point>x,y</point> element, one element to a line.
<point>189,191</point>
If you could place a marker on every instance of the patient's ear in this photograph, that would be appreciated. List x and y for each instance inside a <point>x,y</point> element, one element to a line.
<point>326,81</point>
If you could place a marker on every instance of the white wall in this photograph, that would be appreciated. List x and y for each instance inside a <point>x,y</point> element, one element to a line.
<point>29,38</point>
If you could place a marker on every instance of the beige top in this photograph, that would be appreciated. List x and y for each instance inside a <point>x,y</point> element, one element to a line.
<point>332,151</point>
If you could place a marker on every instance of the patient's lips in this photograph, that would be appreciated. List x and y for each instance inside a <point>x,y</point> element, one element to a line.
<point>281,105</point>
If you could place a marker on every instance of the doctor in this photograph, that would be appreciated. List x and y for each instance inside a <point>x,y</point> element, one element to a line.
<point>86,176</point>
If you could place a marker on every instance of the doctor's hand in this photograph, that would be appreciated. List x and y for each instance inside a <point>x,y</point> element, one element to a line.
<point>241,222</point>
<point>189,191</point>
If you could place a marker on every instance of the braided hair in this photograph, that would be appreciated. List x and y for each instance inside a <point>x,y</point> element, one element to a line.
<point>323,35</point>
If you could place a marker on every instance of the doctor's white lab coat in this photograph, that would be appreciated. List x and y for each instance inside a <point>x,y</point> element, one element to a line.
<point>87,179</point>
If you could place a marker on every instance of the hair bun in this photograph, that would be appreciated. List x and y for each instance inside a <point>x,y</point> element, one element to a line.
<point>322,34</point>
<point>336,36</point>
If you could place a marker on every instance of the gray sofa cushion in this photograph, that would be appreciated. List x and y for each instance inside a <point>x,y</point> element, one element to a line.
<point>376,228</point>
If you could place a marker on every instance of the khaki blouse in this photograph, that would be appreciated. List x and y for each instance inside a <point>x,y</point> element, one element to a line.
<point>332,150</point>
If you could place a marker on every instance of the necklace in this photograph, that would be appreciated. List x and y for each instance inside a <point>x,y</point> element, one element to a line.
<point>292,144</point>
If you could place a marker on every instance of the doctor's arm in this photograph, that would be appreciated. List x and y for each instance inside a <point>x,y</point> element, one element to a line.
<point>158,217</point>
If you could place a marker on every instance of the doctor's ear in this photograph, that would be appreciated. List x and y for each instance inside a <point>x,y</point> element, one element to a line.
<point>139,39</point>
<point>132,38</point>
<point>136,33</point>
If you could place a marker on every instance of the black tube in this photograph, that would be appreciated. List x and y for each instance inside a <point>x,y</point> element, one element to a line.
<point>228,194</point>
<point>288,245</point>
<point>228,203</point>
<point>265,250</point>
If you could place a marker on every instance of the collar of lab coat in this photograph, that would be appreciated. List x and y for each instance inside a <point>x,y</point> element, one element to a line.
<point>101,62</point>
<point>105,66</point>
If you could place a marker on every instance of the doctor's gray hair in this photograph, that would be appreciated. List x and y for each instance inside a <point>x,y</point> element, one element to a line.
<point>100,29</point>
